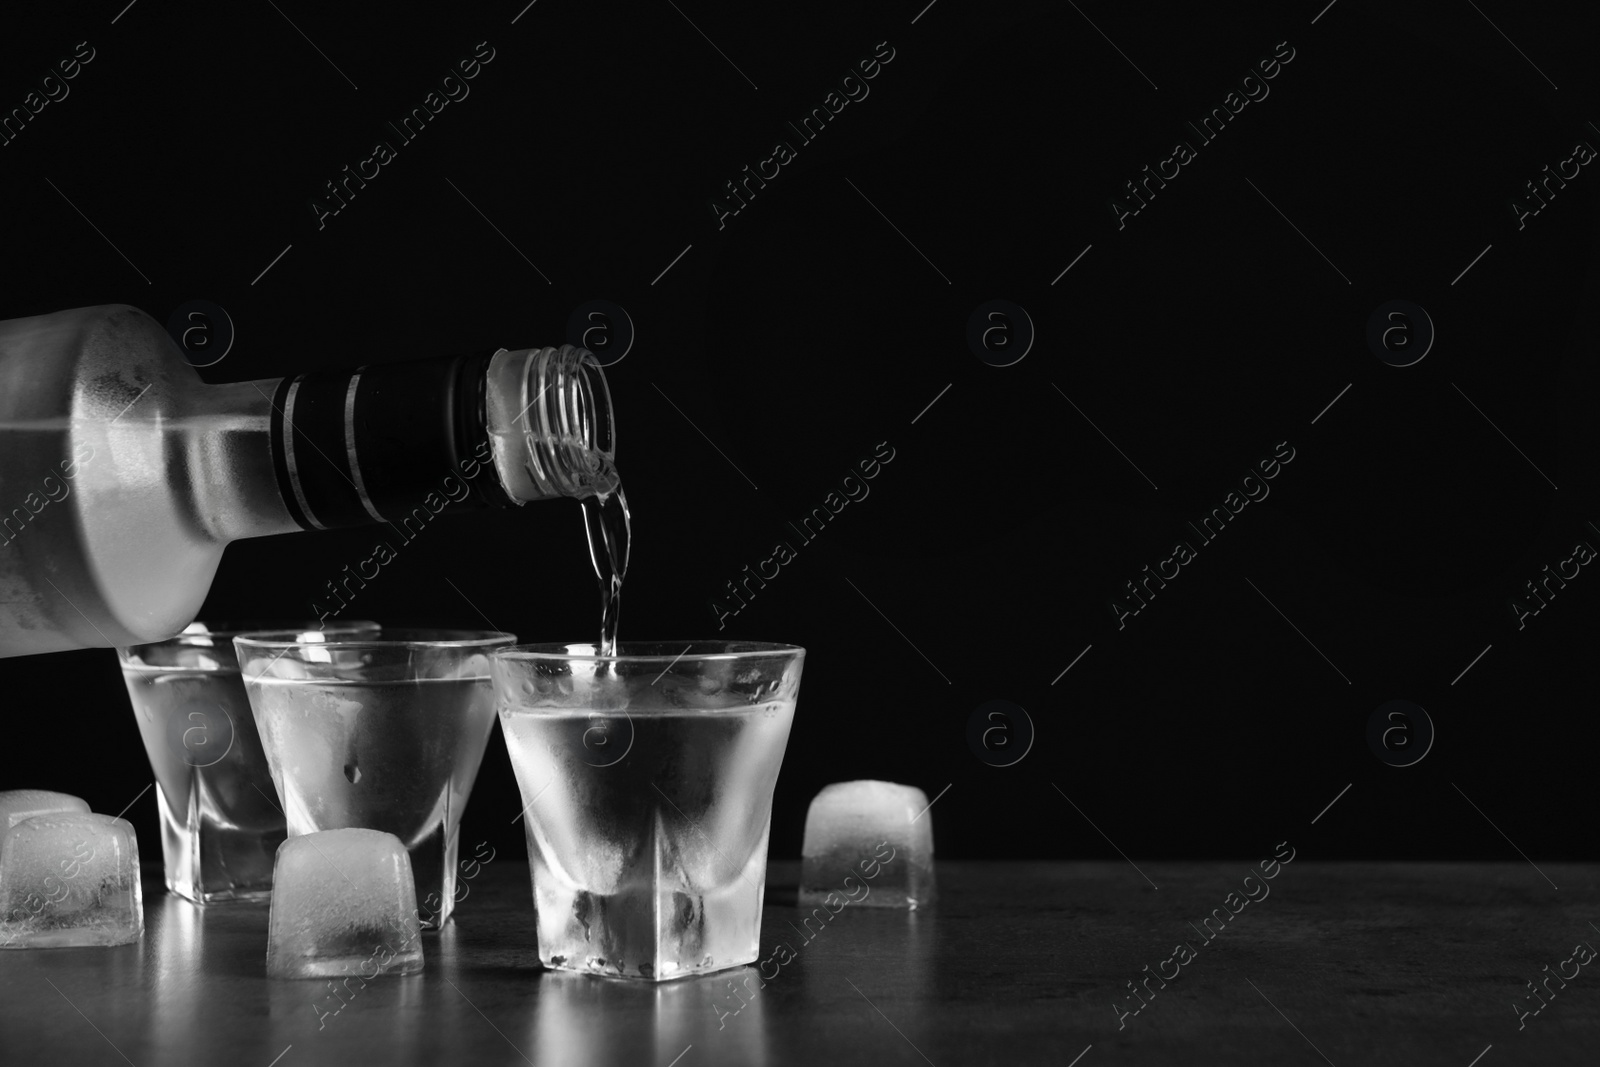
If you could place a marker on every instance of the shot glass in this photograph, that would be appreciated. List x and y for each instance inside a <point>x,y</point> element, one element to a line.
<point>220,823</point>
<point>378,731</point>
<point>647,779</point>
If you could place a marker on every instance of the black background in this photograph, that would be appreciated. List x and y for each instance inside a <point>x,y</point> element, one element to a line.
<point>807,330</point>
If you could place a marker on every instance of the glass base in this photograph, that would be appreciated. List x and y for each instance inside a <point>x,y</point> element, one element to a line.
<point>354,966</point>
<point>206,863</point>
<point>221,896</point>
<point>433,864</point>
<point>650,932</point>
<point>606,972</point>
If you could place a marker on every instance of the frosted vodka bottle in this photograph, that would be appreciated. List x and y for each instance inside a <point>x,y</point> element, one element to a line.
<point>123,476</point>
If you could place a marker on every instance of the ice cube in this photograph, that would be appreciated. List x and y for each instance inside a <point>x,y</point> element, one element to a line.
<point>343,904</point>
<point>70,879</point>
<point>868,843</point>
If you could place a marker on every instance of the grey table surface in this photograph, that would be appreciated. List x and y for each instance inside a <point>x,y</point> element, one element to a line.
<point>1017,963</point>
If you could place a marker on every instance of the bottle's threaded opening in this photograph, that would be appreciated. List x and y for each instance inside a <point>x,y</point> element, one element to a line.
<point>550,423</point>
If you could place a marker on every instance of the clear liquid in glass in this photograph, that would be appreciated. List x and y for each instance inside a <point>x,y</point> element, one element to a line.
<point>398,756</point>
<point>652,866</point>
<point>220,824</point>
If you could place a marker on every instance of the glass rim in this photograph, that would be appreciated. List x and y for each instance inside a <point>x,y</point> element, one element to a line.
<point>556,652</point>
<point>401,637</point>
<point>228,629</point>
<point>203,636</point>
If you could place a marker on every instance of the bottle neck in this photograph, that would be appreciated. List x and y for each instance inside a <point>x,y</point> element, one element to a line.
<point>548,416</point>
<point>402,442</point>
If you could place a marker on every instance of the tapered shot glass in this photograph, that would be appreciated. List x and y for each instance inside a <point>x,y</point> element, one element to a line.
<point>377,732</point>
<point>647,780</point>
<point>220,821</point>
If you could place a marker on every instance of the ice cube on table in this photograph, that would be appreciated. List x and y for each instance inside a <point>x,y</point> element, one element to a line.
<point>19,804</point>
<point>343,903</point>
<point>868,843</point>
<point>70,879</point>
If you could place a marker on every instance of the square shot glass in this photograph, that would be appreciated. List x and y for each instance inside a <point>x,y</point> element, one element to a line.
<point>647,779</point>
<point>220,820</point>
